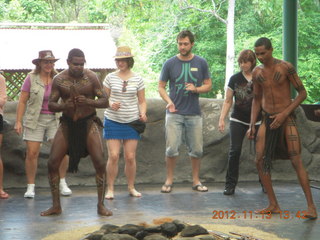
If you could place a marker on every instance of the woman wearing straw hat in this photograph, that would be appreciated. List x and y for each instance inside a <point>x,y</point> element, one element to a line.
<point>124,119</point>
<point>38,122</point>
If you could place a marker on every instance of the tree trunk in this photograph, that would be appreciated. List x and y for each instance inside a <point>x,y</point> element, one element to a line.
<point>230,43</point>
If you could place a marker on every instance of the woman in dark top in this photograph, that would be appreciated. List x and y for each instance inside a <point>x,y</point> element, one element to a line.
<point>241,90</point>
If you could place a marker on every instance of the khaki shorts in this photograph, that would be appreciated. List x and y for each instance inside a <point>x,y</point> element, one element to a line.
<point>45,130</point>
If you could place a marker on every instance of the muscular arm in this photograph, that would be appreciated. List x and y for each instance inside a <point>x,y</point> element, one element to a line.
<point>98,99</point>
<point>256,103</point>
<point>101,98</point>
<point>227,104</point>
<point>293,77</point>
<point>53,105</point>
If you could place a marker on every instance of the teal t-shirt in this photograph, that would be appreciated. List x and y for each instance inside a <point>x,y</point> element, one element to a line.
<point>178,73</point>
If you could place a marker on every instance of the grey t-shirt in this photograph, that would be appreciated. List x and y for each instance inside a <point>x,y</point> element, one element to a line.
<point>178,73</point>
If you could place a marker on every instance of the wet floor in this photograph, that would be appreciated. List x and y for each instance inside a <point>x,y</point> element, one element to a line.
<point>20,218</point>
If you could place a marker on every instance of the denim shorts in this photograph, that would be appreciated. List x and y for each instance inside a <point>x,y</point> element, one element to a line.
<point>45,130</point>
<point>187,128</point>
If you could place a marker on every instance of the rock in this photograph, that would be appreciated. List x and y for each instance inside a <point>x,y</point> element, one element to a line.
<point>155,237</point>
<point>142,234</point>
<point>151,152</point>
<point>153,229</point>
<point>191,231</point>
<point>97,235</point>
<point>130,229</point>
<point>115,236</point>
<point>180,225</point>
<point>110,228</point>
<point>169,229</point>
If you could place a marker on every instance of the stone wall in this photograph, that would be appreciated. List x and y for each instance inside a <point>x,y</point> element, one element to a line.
<point>151,148</point>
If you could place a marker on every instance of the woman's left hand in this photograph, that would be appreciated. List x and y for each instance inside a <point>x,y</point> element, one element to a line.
<point>143,117</point>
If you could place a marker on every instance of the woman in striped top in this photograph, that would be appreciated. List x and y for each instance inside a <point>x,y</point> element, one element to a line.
<point>127,103</point>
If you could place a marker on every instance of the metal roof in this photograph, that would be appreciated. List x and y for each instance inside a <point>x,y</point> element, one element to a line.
<point>18,47</point>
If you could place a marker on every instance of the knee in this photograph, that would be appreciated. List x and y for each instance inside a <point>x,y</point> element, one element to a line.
<point>130,158</point>
<point>258,161</point>
<point>296,163</point>
<point>53,165</point>
<point>113,156</point>
<point>31,155</point>
<point>100,167</point>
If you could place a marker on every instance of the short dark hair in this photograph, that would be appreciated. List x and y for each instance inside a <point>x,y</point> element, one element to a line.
<point>247,55</point>
<point>263,42</point>
<point>75,52</point>
<point>184,34</point>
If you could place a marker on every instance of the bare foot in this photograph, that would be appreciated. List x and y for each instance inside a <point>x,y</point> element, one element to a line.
<point>51,211</point>
<point>311,213</point>
<point>270,209</point>
<point>134,193</point>
<point>103,211</point>
<point>109,195</point>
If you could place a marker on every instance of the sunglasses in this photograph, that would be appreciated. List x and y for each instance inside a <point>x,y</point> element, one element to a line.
<point>77,64</point>
<point>48,61</point>
<point>124,86</point>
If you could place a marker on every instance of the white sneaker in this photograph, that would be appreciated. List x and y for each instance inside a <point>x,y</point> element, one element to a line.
<point>30,191</point>
<point>64,189</point>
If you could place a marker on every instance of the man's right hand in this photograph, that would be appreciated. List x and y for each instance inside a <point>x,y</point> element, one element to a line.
<point>171,107</point>
<point>69,104</point>
<point>251,133</point>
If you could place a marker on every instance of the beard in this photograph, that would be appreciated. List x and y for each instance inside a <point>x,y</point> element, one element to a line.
<point>185,53</point>
<point>76,74</point>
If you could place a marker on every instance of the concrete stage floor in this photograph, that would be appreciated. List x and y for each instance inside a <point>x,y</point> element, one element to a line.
<point>20,218</point>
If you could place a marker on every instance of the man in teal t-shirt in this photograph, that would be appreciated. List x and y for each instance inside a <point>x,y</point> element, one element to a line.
<point>188,75</point>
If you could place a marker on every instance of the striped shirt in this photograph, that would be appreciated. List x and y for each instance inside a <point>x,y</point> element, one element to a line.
<point>3,93</point>
<point>124,92</point>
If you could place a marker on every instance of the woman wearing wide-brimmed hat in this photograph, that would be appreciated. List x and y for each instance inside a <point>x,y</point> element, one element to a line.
<point>124,119</point>
<point>35,120</point>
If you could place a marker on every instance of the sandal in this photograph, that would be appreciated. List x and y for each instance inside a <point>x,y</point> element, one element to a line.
<point>4,195</point>
<point>200,188</point>
<point>166,188</point>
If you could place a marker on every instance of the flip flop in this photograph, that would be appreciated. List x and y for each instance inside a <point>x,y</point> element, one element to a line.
<point>199,188</point>
<point>4,195</point>
<point>168,188</point>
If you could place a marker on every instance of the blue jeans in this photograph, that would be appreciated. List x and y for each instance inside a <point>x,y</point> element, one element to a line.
<point>187,126</point>
<point>237,134</point>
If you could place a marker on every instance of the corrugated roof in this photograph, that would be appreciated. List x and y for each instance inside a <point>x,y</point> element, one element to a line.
<point>19,46</point>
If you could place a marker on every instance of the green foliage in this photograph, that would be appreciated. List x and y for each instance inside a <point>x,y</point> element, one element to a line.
<point>150,29</point>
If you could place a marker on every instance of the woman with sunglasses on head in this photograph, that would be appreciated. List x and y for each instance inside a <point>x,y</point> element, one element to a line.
<point>34,119</point>
<point>124,117</point>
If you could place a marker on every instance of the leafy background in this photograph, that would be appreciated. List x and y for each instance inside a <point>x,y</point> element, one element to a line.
<point>150,27</point>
